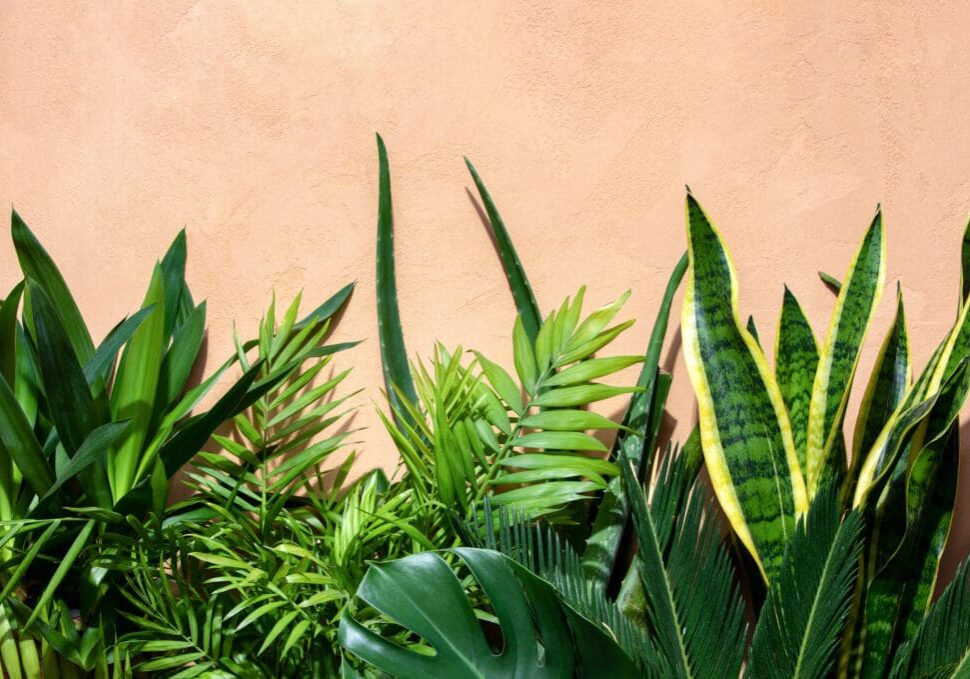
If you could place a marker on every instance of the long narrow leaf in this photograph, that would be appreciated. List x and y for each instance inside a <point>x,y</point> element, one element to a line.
<point>525,300</point>
<point>394,358</point>
<point>745,431</point>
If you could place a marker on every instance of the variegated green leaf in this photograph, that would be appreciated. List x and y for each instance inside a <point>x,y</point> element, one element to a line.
<point>839,355</point>
<point>796,359</point>
<point>745,430</point>
<point>887,386</point>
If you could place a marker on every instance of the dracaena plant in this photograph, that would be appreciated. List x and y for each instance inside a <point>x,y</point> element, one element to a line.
<point>773,439</point>
<point>91,434</point>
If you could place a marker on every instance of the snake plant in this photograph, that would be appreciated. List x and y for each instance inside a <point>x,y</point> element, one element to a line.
<point>773,439</point>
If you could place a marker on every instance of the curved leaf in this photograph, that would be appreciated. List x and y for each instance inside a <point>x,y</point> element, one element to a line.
<point>839,355</point>
<point>798,631</point>
<point>394,357</point>
<point>38,265</point>
<point>422,594</point>
<point>525,301</point>
<point>745,431</point>
<point>796,360</point>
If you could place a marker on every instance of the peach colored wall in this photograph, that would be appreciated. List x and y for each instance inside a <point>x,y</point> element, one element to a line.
<point>251,124</point>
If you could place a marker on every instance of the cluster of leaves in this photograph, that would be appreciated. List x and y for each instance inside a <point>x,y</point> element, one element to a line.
<point>510,541</point>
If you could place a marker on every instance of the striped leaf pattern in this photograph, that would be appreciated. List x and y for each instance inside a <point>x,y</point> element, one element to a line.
<point>745,430</point>
<point>887,386</point>
<point>839,355</point>
<point>796,359</point>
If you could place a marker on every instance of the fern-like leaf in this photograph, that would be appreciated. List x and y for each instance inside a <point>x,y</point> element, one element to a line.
<point>799,628</point>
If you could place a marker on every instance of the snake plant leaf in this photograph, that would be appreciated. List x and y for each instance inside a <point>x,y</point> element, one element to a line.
<point>745,430</point>
<point>887,386</point>
<point>525,300</point>
<point>394,356</point>
<point>830,281</point>
<point>136,386</point>
<point>965,265</point>
<point>753,329</point>
<point>941,647</point>
<point>799,628</point>
<point>73,408</point>
<point>694,610</point>
<point>38,265</point>
<point>796,360</point>
<point>913,528</point>
<point>637,441</point>
<point>421,593</point>
<point>839,355</point>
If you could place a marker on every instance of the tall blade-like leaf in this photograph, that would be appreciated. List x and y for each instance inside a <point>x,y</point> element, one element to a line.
<point>38,265</point>
<point>941,647</point>
<point>180,357</point>
<point>8,333</point>
<point>394,357</point>
<point>691,604</point>
<point>89,452</point>
<point>104,358</point>
<point>887,386</point>
<point>133,397</point>
<point>71,404</point>
<point>173,273</point>
<point>637,443</point>
<point>965,266</point>
<point>745,431</point>
<point>796,360</point>
<point>525,301</point>
<point>799,628</point>
<point>18,438</point>
<point>839,355</point>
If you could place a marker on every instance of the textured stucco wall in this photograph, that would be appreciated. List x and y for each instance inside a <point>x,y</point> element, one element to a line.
<point>251,124</point>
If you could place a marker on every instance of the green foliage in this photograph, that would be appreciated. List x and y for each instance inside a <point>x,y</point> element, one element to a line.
<point>90,435</point>
<point>541,637</point>
<point>899,484</point>
<point>512,540</point>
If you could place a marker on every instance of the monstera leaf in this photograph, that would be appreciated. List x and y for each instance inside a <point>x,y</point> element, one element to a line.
<point>541,637</point>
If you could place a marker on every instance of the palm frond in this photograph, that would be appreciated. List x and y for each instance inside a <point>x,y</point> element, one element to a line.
<point>542,550</point>
<point>799,628</point>
<point>693,609</point>
<point>941,647</point>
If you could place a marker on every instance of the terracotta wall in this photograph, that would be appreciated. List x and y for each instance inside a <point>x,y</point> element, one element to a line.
<point>251,125</point>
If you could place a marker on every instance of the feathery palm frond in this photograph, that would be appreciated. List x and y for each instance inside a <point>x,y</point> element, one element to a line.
<point>799,628</point>
<point>693,609</point>
<point>542,550</point>
<point>941,647</point>
<point>475,426</point>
